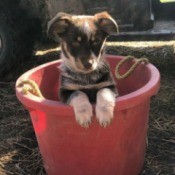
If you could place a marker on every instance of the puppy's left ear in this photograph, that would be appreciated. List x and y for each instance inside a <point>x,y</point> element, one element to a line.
<point>106,23</point>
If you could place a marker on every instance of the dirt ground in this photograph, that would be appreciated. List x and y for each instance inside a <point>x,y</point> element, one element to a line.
<point>19,153</point>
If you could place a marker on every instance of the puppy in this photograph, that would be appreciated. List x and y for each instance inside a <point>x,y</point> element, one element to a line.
<point>85,74</point>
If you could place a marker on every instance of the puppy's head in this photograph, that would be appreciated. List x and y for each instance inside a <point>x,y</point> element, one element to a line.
<point>82,38</point>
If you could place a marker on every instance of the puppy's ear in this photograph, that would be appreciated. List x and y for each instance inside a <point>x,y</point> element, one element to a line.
<point>59,24</point>
<point>106,23</point>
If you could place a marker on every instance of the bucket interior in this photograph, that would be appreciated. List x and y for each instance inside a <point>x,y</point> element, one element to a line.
<point>48,78</point>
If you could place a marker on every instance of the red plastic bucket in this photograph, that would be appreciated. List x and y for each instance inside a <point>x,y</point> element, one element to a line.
<point>69,149</point>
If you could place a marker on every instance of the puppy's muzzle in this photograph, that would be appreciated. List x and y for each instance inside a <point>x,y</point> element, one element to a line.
<point>87,63</point>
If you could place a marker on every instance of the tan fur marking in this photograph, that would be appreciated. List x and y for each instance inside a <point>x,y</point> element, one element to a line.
<point>79,39</point>
<point>102,15</point>
<point>93,38</point>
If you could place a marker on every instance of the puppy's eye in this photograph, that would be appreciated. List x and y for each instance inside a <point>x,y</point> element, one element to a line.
<point>77,41</point>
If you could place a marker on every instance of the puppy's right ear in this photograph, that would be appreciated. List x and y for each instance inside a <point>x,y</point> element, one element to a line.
<point>106,23</point>
<point>59,24</point>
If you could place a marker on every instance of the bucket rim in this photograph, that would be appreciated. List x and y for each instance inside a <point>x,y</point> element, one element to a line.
<point>122,102</point>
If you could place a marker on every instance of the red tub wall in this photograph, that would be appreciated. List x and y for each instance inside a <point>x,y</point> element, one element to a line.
<point>116,150</point>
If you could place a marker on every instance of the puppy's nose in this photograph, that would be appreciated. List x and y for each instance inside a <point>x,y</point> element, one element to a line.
<point>87,65</point>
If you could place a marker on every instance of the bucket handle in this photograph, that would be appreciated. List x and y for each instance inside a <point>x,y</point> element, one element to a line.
<point>30,86</point>
<point>131,69</point>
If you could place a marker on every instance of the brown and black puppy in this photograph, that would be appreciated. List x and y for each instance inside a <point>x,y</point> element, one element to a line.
<point>85,74</point>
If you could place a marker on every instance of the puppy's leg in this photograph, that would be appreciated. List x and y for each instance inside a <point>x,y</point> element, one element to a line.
<point>105,106</point>
<point>82,108</point>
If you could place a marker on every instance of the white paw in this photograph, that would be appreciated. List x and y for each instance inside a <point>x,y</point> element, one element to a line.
<point>104,115</point>
<point>105,106</point>
<point>82,108</point>
<point>83,115</point>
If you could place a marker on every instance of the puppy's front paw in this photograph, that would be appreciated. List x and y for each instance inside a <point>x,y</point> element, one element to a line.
<point>104,115</point>
<point>82,108</point>
<point>105,106</point>
<point>83,115</point>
